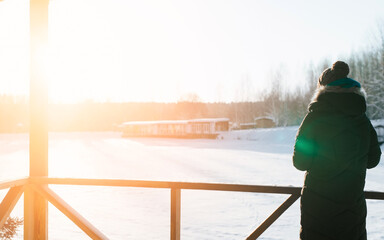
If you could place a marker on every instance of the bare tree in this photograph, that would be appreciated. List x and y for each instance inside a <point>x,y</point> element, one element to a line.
<point>275,107</point>
<point>190,106</point>
<point>368,68</point>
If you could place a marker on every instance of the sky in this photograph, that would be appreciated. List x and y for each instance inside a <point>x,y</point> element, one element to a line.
<point>164,50</point>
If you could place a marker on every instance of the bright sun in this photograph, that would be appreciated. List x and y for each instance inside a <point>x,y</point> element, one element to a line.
<point>82,63</point>
<point>95,56</point>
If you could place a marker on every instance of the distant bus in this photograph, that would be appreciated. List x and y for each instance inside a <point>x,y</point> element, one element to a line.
<point>194,128</point>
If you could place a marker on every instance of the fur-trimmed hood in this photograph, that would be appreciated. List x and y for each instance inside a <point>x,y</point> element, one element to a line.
<point>337,89</point>
<point>349,101</point>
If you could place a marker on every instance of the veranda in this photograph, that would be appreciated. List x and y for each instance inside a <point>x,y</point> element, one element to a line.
<point>36,187</point>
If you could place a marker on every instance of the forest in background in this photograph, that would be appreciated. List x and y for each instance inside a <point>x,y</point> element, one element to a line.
<point>92,116</point>
<point>286,107</point>
<point>366,66</point>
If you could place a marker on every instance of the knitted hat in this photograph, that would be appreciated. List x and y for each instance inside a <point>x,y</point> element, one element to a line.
<point>339,70</point>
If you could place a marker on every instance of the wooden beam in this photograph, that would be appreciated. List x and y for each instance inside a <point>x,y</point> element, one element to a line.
<point>180,185</point>
<point>13,183</point>
<point>35,207</point>
<point>374,195</point>
<point>160,184</point>
<point>38,133</point>
<point>9,202</point>
<point>35,215</point>
<point>175,213</point>
<point>68,211</point>
<point>273,217</point>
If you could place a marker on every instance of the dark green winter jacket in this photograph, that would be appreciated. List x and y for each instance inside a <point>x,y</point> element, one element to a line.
<point>335,145</point>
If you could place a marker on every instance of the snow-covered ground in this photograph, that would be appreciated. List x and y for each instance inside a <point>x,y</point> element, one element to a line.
<point>246,157</point>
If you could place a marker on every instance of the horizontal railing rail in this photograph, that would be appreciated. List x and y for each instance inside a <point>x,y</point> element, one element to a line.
<point>40,186</point>
<point>13,183</point>
<point>164,184</point>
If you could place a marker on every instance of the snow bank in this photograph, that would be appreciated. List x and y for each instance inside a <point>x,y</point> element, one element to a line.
<point>281,135</point>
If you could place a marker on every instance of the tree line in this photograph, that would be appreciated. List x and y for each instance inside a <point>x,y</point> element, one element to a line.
<point>366,66</point>
<point>94,116</point>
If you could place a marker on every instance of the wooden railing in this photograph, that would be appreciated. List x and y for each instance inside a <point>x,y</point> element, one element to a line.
<point>39,185</point>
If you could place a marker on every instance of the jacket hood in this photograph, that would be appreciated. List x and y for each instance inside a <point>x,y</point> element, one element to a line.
<point>333,99</point>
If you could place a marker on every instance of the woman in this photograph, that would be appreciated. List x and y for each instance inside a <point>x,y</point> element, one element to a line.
<point>335,145</point>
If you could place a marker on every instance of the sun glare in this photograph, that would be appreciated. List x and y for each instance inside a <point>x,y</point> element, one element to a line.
<point>149,50</point>
<point>100,58</point>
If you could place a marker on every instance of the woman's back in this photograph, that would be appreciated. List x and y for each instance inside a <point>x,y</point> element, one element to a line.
<point>335,144</point>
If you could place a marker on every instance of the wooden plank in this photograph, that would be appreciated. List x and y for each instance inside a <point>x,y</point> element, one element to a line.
<point>35,215</point>
<point>374,195</point>
<point>240,188</point>
<point>29,224</point>
<point>272,218</point>
<point>38,132</point>
<point>13,183</point>
<point>36,207</point>
<point>175,213</point>
<point>182,185</point>
<point>160,184</point>
<point>68,211</point>
<point>9,202</point>
<point>101,182</point>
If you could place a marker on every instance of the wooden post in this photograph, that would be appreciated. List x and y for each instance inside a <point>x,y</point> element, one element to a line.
<point>36,207</point>
<point>175,213</point>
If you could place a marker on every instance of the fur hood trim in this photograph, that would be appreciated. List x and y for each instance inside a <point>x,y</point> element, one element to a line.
<point>337,89</point>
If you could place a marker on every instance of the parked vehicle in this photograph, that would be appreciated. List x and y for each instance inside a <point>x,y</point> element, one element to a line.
<point>380,133</point>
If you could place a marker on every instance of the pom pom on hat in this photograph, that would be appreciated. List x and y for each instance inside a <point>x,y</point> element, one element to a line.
<point>339,70</point>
